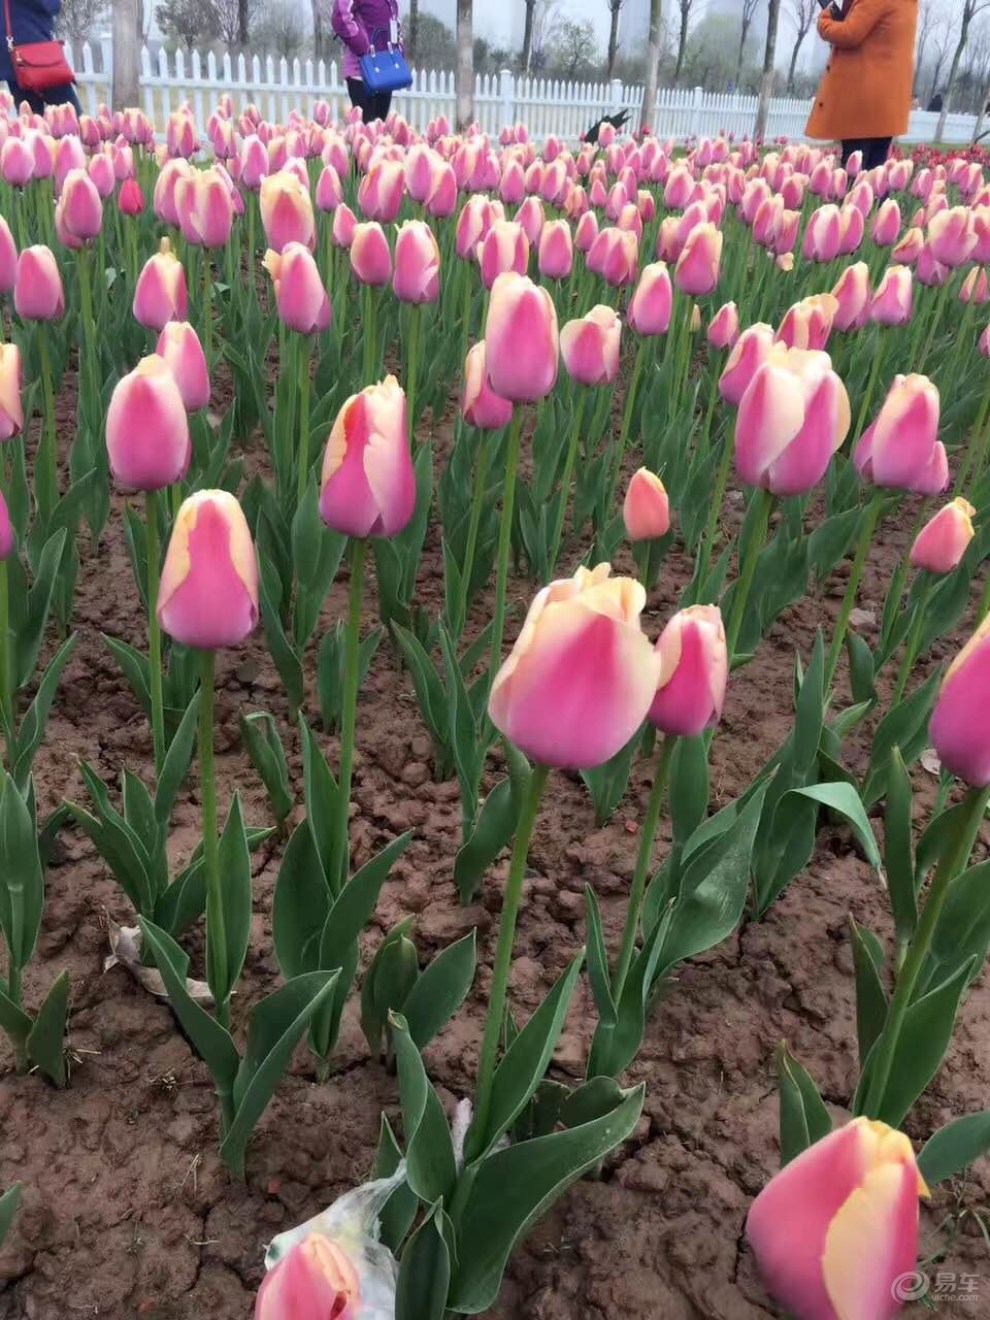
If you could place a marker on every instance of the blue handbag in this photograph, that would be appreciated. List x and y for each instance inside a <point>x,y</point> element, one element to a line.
<point>384,69</point>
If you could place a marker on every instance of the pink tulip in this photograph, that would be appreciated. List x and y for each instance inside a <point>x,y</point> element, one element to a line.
<point>11,407</point>
<point>960,723</point>
<point>147,431</point>
<point>8,541</point>
<point>556,254</point>
<point>38,292</point>
<point>209,588</point>
<point>909,249</point>
<point>646,508</point>
<point>852,226</point>
<point>886,224</point>
<point>984,343</point>
<point>253,163</point>
<point>329,190</point>
<point>178,345</point>
<point>130,199</point>
<point>344,225</point>
<point>371,260</point>
<point>504,248</point>
<point>521,339</point>
<point>301,299</point>
<point>694,672</point>
<point>823,234</point>
<point>838,1226</point>
<point>975,288</point>
<point>930,272</point>
<point>100,170</point>
<point>941,543</point>
<point>368,486</point>
<point>723,330</point>
<point>512,188</point>
<point>590,347</point>
<point>480,405</point>
<point>531,217</point>
<point>808,324</point>
<point>160,295</point>
<point>893,302</point>
<point>316,1280</point>
<point>586,232</point>
<point>381,191</point>
<point>417,264</point>
<point>581,676</point>
<point>751,350</point>
<point>853,295</point>
<point>205,209</point>
<point>792,419</point>
<point>652,302</point>
<point>952,236</point>
<point>443,200</point>
<point>8,258</point>
<point>287,211</point>
<point>902,449</point>
<point>181,134</point>
<point>171,174</point>
<point>80,205</point>
<point>698,266</point>
<point>614,256</point>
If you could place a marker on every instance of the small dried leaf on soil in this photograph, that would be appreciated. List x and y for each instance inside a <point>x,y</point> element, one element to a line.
<point>125,949</point>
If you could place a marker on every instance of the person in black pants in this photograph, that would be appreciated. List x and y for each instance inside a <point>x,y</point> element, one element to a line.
<point>875,151</point>
<point>361,25</point>
<point>373,105</point>
<point>32,20</point>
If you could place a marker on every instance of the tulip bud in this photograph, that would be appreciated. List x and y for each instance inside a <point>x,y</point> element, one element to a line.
<point>417,264</point>
<point>652,302</point>
<point>11,408</point>
<point>80,206</point>
<point>344,225</point>
<point>16,162</point>
<point>368,485</point>
<point>952,236</point>
<point>521,339</point>
<point>209,588</point>
<point>941,543</point>
<point>178,344</point>
<point>371,260</point>
<point>614,256</point>
<point>723,330</point>
<point>205,210</point>
<point>901,449</point>
<point>590,347</point>
<point>838,1225</point>
<point>975,288</point>
<point>646,508</point>
<point>8,541</point>
<point>582,636</point>
<point>751,350</point>
<point>853,296</point>
<point>694,672</point>
<point>793,417</point>
<point>314,1281</point>
<point>480,405</point>
<point>381,191</point>
<point>808,323</point>
<point>147,430</point>
<point>556,255</point>
<point>504,248</point>
<point>301,299</point>
<point>893,302</point>
<point>160,295</point>
<point>984,343</point>
<point>8,258</point>
<point>823,234</point>
<point>38,292</point>
<point>697,269</point>
<point>130,199</point>
<point>586,232</point>
<point>287,211</point>
<point>886,224</point>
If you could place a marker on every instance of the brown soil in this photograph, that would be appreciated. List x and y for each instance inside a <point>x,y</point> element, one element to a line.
<point>126,1209</point>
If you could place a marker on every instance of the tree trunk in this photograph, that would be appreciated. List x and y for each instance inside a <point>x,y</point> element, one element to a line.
<point>766,82</point>
<point>465,63</point>
<point>682,37</point>
<point>412,33</point>
<point>646,119</point>
<point>317,29</point>
<point>613,37</point>
<point>742,53</point>
<point>527,50</point>
<point>125,54</point>
<point>950,82</point>
<point>243,34</point>
<point>794,59</point>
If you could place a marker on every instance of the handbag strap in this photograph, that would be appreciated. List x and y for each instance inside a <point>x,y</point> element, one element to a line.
<point>8,23</point>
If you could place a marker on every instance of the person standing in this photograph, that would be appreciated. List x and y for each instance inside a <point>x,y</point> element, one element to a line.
<point>24,22</point>
<point>864,97</point>
<point>361,24</point>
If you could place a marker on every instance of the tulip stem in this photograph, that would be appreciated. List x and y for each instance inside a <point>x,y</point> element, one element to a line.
<point>954,857</point>
<point>46,474</point>
<point>627,417</point>
<point>348,723</point>
<point>873,511</point>
<point>638,892</point>
<point>207,309</point>
<point>871,385</point>
<point>304,427</point>
<point>505,541</point>
<point>86,304</point>
<point>412,366</point>
<point>154,631</point>
<point>984,603</point>
<point>747,568</point>
<point>470,549</point>
<point>503,957</point>
<point>6,684</point>
<point>976,448</point>
<point>370,347</point>
<point>565,481</point>
<point>913,642</point>
<point>714,513</point>
<point>216,934</point>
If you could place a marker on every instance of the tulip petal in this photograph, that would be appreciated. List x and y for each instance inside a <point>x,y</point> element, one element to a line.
<point>871,1241</point>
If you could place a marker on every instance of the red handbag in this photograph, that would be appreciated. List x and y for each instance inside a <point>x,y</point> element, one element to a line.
<point>38,65</point>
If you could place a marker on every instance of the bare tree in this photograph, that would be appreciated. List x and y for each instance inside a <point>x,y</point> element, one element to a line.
<point>227,20</point>
<point>125,54</point>
<point>574,48</point>
<point>748,14</point>
<point>243,22</point>
<point>188,21</point>
<point>686,8</point>
<point>465,63</point>
<point>652,64</point>
<point>766,81</point>
<point>412,29</point>
<point>803,14</point>
<point>546,19</point>
<point>970,10</point>
<point>614,9</point>
<point>77,18</point>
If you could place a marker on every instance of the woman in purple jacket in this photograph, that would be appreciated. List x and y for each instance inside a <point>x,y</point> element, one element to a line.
<point>361,24</point>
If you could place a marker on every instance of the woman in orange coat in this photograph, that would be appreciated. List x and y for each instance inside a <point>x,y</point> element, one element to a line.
<point>864,97</point>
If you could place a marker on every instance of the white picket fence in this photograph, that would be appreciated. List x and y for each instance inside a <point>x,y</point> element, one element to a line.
<point>277,86</point>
